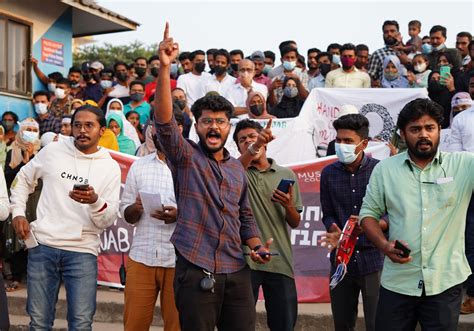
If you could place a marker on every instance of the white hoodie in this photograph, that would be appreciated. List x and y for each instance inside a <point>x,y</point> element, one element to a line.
<point>62,222</point>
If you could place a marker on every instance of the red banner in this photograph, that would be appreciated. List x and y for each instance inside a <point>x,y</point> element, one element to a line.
<point>311,262</point>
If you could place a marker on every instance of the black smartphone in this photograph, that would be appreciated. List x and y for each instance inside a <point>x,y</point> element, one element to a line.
<point>284,185</point>
<point>81,187</point>
<point>263,254</point>
<point>400,246</point>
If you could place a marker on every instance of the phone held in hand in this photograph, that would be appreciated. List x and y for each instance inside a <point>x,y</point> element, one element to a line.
<point>31,241</point>
<point>400,246</point>
<point>284,185</point>
<point>444,72</point>
<point>81,187</point>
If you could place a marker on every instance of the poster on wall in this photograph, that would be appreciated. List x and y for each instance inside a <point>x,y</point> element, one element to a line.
<point>52,52</point>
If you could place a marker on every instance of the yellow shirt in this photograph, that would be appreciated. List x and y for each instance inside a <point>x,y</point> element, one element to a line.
<point>341,79</point>
<point>109,140</point>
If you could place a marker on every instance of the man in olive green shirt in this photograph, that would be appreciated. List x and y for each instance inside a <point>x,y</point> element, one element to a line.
<point>273,210</point>
<point>426,194</point>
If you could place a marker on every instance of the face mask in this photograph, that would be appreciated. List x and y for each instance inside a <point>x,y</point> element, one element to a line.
<point>346,153</point>
<point>290,91</point>
<point>87,77</point>
<point>219,70</point>
<point>75,84</point>
<point>105,84</point>
<point>420,67</point>
<point>390,76</point>
<point>174,69</point>
<point>154,71</point>
<point>426,48</point>
<point>41,108</point>
<point>257,110</point>
<point>336,59</point>
<point>440,47</point>
<point>246,76</point>
<point>122,76</point>
<point>234,66</point>
<point>199,67</point>
<point>52,87</point>
<point>324,68</point>
<point>137,96</point>
<point>8,124</point>
<point>348,62</point>
<point>267,69</point>
<point>289,66</point>
<point>140,71</point>
<point>117,112</point>
<point>30,136</point>
<point>180,103</point>
<point>60,93</point>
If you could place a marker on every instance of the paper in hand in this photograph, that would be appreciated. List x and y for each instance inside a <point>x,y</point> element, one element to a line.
<point>151,202</point>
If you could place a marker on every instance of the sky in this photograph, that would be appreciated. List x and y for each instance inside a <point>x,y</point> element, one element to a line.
<point>262,25</point>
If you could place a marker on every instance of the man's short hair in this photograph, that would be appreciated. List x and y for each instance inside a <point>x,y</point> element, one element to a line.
<point>184,56</point>
<point>214,103</point>
<point>140,58</point>
<point>355,122</point>
<point>390,22</point>
<point>324,54</point>
<point>12,114</point>
<point>313,50</point>
<point>55,76</point>
<point>98,113</point>
<point>270,55</point>
<point>287,49</point>
<point>120,63</point>
<point>153,58</point>
<point>333,46</point>
<point>197,52</point>
<point>245,124</point>
<point>64,81</point>
<point>464,34</point>
<point>285,43</point>
<point>417,108</point>
<point>348,47</point>
<point>415,23</point>
<point>301,59</point>
<point>222,52</point>
<point>237,52</point>
<point>108,72</point>
<point>211,51</point>
<point>438,28</point>
<point>75,69</point>
<point>137,82</point>
<point>42,93</point>
<point>362,47</point>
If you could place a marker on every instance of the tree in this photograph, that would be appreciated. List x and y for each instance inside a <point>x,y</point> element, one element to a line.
<point>108,54</point>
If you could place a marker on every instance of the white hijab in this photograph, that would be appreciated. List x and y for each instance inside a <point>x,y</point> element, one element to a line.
<point>128,128</point>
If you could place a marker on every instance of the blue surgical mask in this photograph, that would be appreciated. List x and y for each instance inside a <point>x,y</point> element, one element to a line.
<point>289,66</point>
<point>290,91</point>
<point>346,152</point>
<point>390,76</point>
<point>174,69</point>
<point>30,136</point>
<point>267,69</point>
<point>106,84</point>
<point>336,59</point>
<point>426,48</point>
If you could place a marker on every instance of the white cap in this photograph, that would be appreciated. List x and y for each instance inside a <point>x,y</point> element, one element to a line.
<point>97,65</point>
<point>47,137</point>
<point>346,110</point>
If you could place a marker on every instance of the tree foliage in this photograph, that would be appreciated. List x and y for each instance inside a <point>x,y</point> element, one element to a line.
<point>108,54</point>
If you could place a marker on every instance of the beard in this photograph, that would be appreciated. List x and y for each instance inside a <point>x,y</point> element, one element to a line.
<point>417,151</point>
<point>203,136</point>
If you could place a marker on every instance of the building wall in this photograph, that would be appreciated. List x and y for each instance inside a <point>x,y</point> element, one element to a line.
<point>50,20</point>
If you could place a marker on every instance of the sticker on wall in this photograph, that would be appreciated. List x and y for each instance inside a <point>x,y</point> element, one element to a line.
<point>52,52</point>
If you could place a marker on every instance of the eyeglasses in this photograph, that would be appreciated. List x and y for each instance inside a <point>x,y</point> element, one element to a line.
<point>87,126</point>
<point>220,122</point>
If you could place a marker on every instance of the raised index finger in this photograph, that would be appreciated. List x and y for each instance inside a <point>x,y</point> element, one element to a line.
<point>167,31</point>
<point>269,124</point>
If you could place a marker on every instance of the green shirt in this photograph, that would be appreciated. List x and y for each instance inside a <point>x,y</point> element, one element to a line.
<point>142,109</point>
<point>426,208</point>
<point>271,216</point>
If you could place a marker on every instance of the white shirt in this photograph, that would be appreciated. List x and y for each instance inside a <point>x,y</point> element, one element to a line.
<point>237,94</point>
<point>119,91</point>
<point>151,244</point>
<point>462,132</point>
<point>221,87</point>
<point>193,85</point>
<point>342,79</point>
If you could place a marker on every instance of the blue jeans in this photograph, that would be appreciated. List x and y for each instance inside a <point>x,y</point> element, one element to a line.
<point>47,266</point>
<point>469,238</point>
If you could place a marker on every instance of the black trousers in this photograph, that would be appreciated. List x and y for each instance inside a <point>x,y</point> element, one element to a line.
<point>345,301</point>
<point>4,319</point>
<point>435,312</point>
<point>231,306</point>
<point>281,301</point>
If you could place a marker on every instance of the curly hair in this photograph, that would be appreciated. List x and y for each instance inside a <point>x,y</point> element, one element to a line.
<point>214,103</point>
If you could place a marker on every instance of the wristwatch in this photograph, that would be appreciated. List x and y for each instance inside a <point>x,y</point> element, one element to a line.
<point>252,150</point>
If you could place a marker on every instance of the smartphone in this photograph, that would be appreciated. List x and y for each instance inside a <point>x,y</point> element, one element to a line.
<point>444,71</point>
<point>31,241</point>
<point>263,254</point>
<point>284,185</point>
<point>81,187</point>
<point>400,246</point>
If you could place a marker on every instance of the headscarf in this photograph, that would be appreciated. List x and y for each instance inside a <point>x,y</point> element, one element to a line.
<point>20,145</point>
<point>459,99</point>
<point>265,113</point>
<point>400,81</point>
<point>79,101</point>
<point>126,145</point>
<point>127,128</point>
<point>148,147</point>
<point>109,140</point>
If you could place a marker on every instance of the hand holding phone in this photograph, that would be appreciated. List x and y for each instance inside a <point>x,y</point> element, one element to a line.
<point>81,187</point>
<point>284,185</point>
<point>400,246</point>
<point>444,72</point>
<point>263,254</point>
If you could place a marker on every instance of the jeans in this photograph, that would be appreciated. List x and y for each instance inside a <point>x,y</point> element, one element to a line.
<point>47,266</point>
<point>469,240</point>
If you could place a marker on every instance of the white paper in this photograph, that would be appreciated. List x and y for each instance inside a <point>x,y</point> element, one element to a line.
<point>151,202</point>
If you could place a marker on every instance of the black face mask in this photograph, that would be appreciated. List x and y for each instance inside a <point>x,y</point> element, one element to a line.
<point>122,76</point>
<point>199,67</point>
<point>234,66</point>
<point>180,103</point>
<point>140,71</point>
<point>87,77</point>
<point>324,68</point>
<point>257,110</point>
<point>154,71</point>
<point>219,70</point>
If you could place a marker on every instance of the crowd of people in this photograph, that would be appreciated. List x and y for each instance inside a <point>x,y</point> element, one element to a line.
<point>191,250</point>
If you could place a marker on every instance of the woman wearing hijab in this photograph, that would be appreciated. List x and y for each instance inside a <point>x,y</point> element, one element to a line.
<point>290,105</point>
<point>115,106</point>
<point>257,106</point>
<point>23,149</point>
<point>115,123</point>
<point>393,73</point>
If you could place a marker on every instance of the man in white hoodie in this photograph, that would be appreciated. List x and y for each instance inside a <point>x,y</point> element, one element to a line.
<point>80,197</point>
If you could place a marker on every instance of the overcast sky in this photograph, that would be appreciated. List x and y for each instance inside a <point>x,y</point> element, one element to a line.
<point>262,25</point>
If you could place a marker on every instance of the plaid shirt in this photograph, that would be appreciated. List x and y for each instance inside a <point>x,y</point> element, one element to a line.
<point>214,215</point>
<point>341,196</point>
<point>49,124</point>
<point>376,62</point>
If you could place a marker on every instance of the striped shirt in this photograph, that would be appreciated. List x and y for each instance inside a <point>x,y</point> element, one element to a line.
<point>151,243</point>
<point>214,214</point>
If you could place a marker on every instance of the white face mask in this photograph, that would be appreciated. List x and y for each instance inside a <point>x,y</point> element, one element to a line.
<point>52,87</point>
<point>118,112</point>
<point>41,108</point>
<point>420,67</point>
<point>60,93</point>
<point>440,47</point>
<point>346,153</point>
<point>30,136</point>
